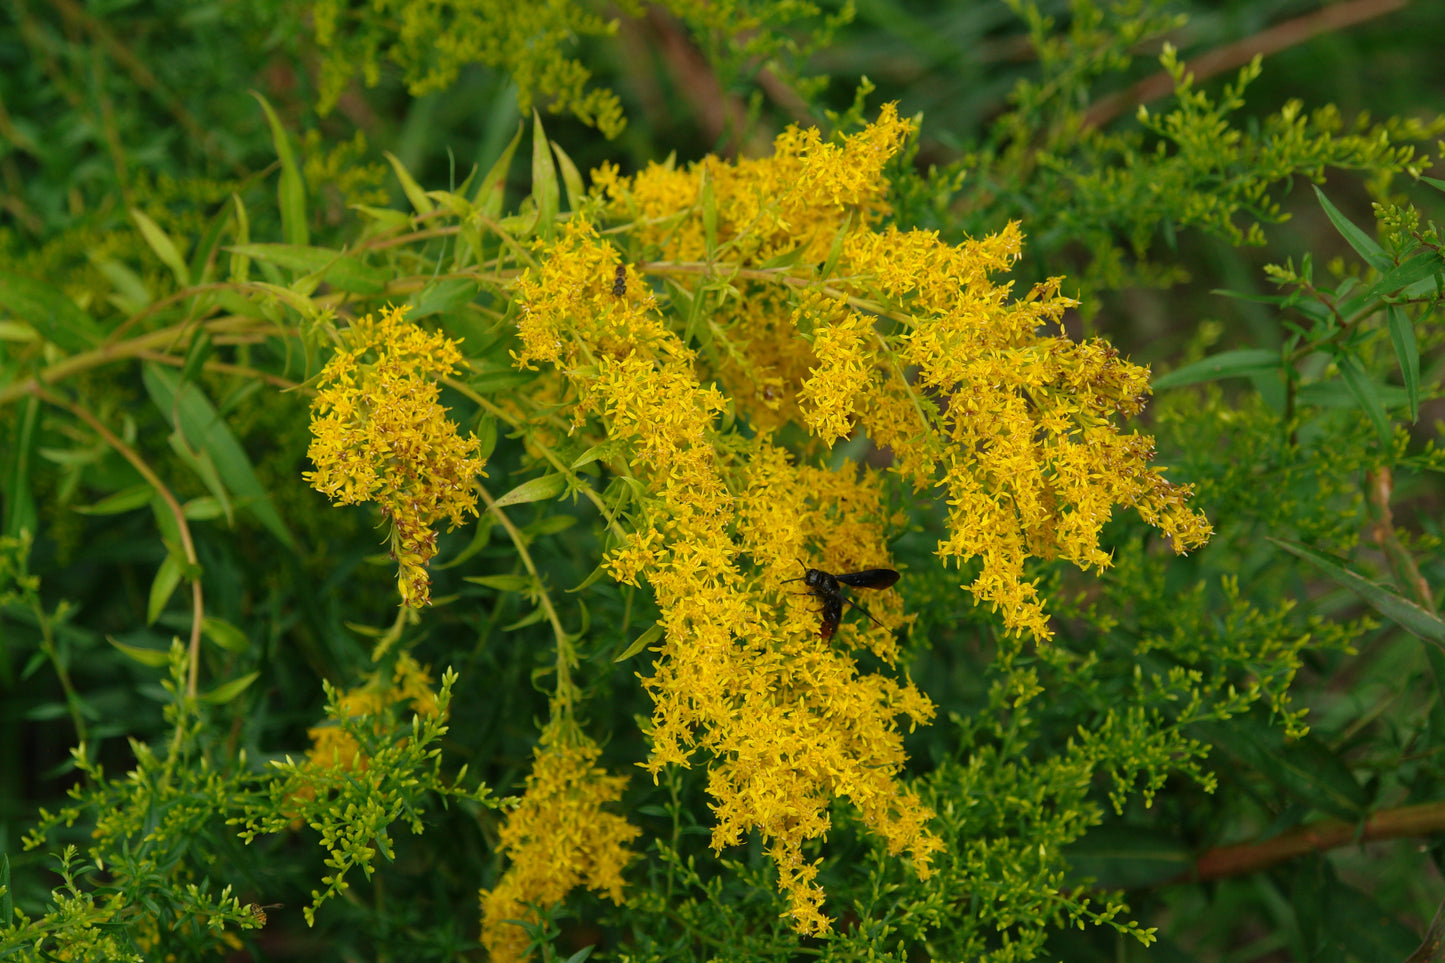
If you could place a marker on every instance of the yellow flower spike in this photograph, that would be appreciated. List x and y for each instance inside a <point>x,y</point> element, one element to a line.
<point>559,837</point>
<point>381,435</point>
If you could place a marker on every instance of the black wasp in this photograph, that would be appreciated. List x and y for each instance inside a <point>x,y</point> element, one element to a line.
<point>619,282</point>
<point>828,588</point>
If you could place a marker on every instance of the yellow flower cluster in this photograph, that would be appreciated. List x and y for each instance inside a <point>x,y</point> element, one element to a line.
<point>788,721</point>
<point>812,312</point>
<point>381,435</point>
<point>559,837</point>
<point>1014,422</point>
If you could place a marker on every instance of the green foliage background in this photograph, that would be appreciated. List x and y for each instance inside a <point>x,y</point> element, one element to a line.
<point>1200,714</point>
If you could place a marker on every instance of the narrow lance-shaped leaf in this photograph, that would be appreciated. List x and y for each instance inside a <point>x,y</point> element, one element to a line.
<point>206,431</point>
<point>653,633</point>
<point>1364,245</point>
<point>291,192</point>
<point>571,178</point>
<point>224,634</point>
<point>45,308</point>
<point>1402,336</point>
<point>1242,363</point>
<point>228,691</point>
<point>1399,278</point>
<point>1393,606</point>
<point>20,512</point>
<point>492,190</point>
<point>344,270</point>
<point>544,180</point>
<point>165,249</point>
<point>414,193</point>
<point>154,658</point>
<point>536,490</point>
<point>1363,390</point>
<point>116,503</point>
<point>168,576</point>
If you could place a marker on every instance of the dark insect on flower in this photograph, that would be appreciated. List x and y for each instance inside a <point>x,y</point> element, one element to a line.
<point>619,282</point>
<point>828,588</point>
<point>258,912</point>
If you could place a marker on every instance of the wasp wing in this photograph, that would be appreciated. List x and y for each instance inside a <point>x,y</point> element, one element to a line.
<point>873,578</point>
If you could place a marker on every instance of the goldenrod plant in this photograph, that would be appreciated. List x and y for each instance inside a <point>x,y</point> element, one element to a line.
<point>777,550</point>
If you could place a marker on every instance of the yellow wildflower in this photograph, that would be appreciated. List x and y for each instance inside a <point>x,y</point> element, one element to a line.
<point>381,435</point>
<point>558,837</point>
<point>1013,422</point>
<point>974,392</point>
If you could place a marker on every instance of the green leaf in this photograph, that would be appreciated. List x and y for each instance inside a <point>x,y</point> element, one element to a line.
<point>240,264</point>
<point>1407,352</point>
<point>341,270</point>
<point>1128,857</point>
<point>196,355</point>
<point>204,509</point>
<point>536,490</point>
<point>204,430</point>
<point>46,309</point>
<point>163,246</point>
<point>442,297</point>
<point>155,658</point>
<point>592,578</point>
<point>492,191</point>
<point>605,449</point>
<point>130,293</point>
<point>1399,278</point>
<point>419,201</point>
<point>503,583</point>
<point>291,191</point>
<point>1364,245</point>
<point>200,463</point>
<point>1337,394</point>
<point>1389,603</point>
<point>1242,363</point>
<point>544,180</point>
<point>1305,768</point>
<point>122,501</point>
<point>486,436</point>
<point>531,618</point>
<point>653,633</point>
<point>222,694</point>
<point>200,264</point>
<point>163,586</point>
<point>1363,390</point>
<point>20,512</point>
<point>571,179</point>
<point>224,634</point>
